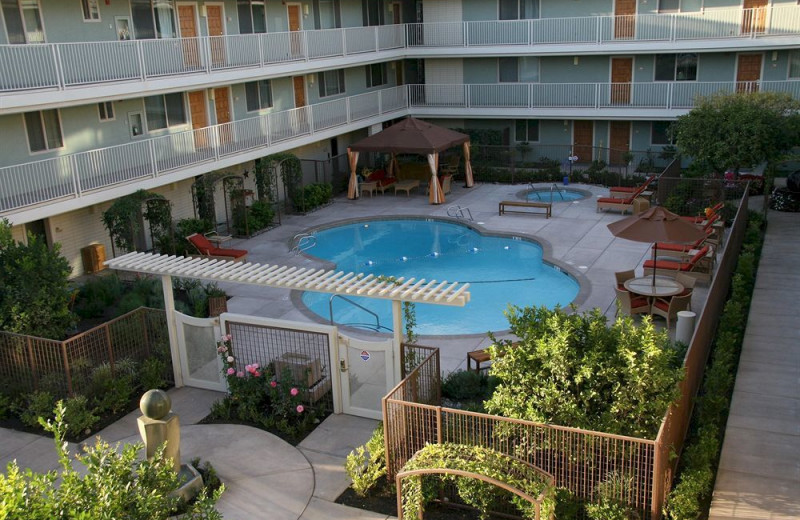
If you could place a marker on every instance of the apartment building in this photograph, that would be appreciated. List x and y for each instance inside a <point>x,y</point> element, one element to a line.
<point>99,98</point>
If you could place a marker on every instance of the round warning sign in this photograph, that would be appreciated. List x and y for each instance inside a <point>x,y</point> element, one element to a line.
<point>365,355</point>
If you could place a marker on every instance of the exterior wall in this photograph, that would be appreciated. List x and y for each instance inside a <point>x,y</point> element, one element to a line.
<point>444,11</point>
<point>561,69</point>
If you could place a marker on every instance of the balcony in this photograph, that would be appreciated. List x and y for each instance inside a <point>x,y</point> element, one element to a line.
<point>88,176</point>
<point>119,68</point>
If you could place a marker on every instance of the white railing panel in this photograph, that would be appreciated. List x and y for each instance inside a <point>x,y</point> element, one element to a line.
<point>363,106</point>
<point>442,34</point>
<point>323,44</point>
<point>185,148</point>
<point>329,114</point>
<point>234,51</point>
<point>685,93</point>
<point>437,96</point>
<point>556,95</point>
<point>508,95</point>
<point>173,56</point>
<point>114,165</point>
<point>393,99</point>
<point>289,124</point>
<point>27,67</point>
<point>98,62</point>
<point>713,23</point>
<point>281,47</point>
<point>495,32</point>
<point>564,30</point>
<point>649,27</point>
<point>790,87</point>
<point>783,20</point>
<point>360,39</point>
<point>36,182</point>
<point>391,37</point>
<point>245,134</point>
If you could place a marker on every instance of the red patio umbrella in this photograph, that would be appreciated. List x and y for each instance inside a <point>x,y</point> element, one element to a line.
<point>656,225</point>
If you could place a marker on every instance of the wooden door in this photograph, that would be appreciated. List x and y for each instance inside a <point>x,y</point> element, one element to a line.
<point>215,18</point>
<point>295,26</point>
<point>397,13</point>
<point>748,73</point>
<point>299,91</point>
<point>621,76</point>
<point>222,108</point>
<point>624,19</point>
<point>199,114</point>
<point>187,21</point>
<point>754,16</point>
<point>619,141</point>
<point>583,140</point>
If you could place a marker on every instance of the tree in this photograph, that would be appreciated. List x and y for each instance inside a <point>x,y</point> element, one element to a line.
<point>34,287</point>
<point>730,131</point>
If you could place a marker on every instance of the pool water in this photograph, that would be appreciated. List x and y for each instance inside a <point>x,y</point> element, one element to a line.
<point>501,271</point>
<point>556,195</point>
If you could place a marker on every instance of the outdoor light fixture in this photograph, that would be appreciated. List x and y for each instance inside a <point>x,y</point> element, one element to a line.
<point>575,60</point>
<point>305,9</point>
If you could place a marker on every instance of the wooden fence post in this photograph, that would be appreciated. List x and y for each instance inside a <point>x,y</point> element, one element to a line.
<point>110,348</point>
<point>145,334</point>
<point>32,362</point>
<point>66,368</point>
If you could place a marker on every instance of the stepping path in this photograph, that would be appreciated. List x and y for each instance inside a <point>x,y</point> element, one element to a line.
<point>759,470</point>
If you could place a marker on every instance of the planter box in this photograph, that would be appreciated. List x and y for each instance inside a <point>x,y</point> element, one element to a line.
<point>303,369</point>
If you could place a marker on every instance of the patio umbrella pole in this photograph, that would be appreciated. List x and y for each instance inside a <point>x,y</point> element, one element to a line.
<point>655,258</point>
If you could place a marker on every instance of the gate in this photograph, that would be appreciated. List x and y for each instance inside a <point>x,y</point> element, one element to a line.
<point>367,374</point>
<point>197,347</point>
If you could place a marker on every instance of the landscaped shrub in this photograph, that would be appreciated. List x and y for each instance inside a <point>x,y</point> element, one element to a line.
<point>367,464</point>
<point>468,389</point>
<point>79,418</point>
<point>114,484</point>
<point>612,497</point>
<point>152,374</point>
<point>34,405</point>
<point>575,370</point>
<point>313,196</point>
<point>187,227</point>
<point>34,287</point>
<point>97,294</point>
<point>112,391</point>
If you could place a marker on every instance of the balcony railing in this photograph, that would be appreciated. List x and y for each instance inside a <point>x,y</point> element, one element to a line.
<point>76,174</point>
<point>64,65</point>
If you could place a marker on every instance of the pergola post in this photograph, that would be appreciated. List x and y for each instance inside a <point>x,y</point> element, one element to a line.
<point>397,327</point>
<point>172,329</point>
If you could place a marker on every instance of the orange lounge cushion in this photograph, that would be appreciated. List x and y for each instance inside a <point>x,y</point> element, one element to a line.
<point>381,177</point>
<point>201,243</point>
<point>661,304</point>
<point>667,264</point>
<point>235,253</point>
<point>678,248</point>
<point>624,189</point>
<point>639,302</point>
<point>621,287</point>
<point>612,200</point>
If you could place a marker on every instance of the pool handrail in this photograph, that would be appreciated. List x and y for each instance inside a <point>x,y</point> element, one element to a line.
<point>377,328</point>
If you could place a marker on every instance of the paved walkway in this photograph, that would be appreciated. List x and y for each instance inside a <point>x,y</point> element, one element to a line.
<point>264,476</point>
<point>759,472</point>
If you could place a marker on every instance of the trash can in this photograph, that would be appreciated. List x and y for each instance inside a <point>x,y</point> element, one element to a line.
<point>93,257</point>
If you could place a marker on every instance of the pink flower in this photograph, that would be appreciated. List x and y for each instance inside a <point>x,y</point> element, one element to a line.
<point>222,349</point>
<point>231,371</point>
<point>256,374</point>
<point>255,366</point>
<point>239,374</point>
<point>299,408</point>
<point>250,368</point>
<point>273,384</point>
<point>230,359</point>
<point>293,391</point>
<point>227,337</point>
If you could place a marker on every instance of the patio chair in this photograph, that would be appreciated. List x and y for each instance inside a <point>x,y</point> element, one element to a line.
<point>630,304</point>
<point>625,191</point>
<point>628,204</point>
<point>669,307</point>
<point>382,179</point>
<point>624,276</point>
<point>669,248</point>
<point>206,248</point>
<point>699,266</point>
<point>688,287</point>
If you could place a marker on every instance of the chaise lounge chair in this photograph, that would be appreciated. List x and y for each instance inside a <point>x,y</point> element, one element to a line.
<point>699,219</point>
<point>206,248</point>
<point>669,248</point>
<point>623,192</point>
<point>699,266</point>
<point>382,179</point>
<point>628,204</point>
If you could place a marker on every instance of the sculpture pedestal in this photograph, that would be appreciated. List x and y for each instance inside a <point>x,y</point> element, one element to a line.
<point>191,483</point>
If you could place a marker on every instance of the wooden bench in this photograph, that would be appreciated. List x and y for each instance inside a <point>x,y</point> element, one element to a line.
<point>520,204</point>
<point>482,356</point>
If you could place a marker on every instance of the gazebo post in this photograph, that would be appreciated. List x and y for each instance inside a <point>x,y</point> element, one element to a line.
<point>172,329</point>
<point>397,327</point>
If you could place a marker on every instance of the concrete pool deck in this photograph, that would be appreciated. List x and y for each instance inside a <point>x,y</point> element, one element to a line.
<point>575,238</point>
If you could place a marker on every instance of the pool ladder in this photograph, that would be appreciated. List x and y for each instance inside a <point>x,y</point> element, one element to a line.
<point>377,327</point>
<point>553,187</point>
<point>303,242</point>
<point>459,212</point>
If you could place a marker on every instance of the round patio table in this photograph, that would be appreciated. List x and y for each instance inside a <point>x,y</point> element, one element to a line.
<point>664,286</point>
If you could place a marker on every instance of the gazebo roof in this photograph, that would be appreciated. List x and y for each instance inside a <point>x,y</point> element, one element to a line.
<point>411,136</point>
<point>303,279</point>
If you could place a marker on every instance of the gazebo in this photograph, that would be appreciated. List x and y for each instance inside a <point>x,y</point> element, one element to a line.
<point>411,136</point>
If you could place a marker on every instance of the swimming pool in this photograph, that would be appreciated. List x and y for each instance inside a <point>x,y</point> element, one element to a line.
<point>557,194</point>
<point>501,271</point>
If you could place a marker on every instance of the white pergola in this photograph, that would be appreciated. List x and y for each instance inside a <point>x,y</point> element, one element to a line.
<point>295,278</point>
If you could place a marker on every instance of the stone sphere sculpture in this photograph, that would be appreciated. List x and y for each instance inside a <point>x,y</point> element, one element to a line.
<point>793,182</point>
<point>155,404</point>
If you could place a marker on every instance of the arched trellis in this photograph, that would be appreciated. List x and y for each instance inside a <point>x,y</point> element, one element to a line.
<point>458,461</point>
<point>158,214</point>
<point>203,190</point>
<point>291,173</point>
<point>124,220</point>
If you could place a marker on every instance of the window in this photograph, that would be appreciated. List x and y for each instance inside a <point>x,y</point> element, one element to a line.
<point>91,10</point>
<point>106,110</point>
<point>676,67</point>
<point>669,6</point>
<point>164,111</point>
<point>508,70</point>
<point>529,69</point>
<point>372,13</point>
<point>44,130</point>
<point>794,65</point>
<point>527,130</point>
<point>376,75</point>
<point>329,14</point>
<point>23,21</point>
<point>153,19</point>
<point>331,82</point>
<point>517,9</point>
<point>252,16</point>
<point>258,94</point>
<point>660,132</point>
